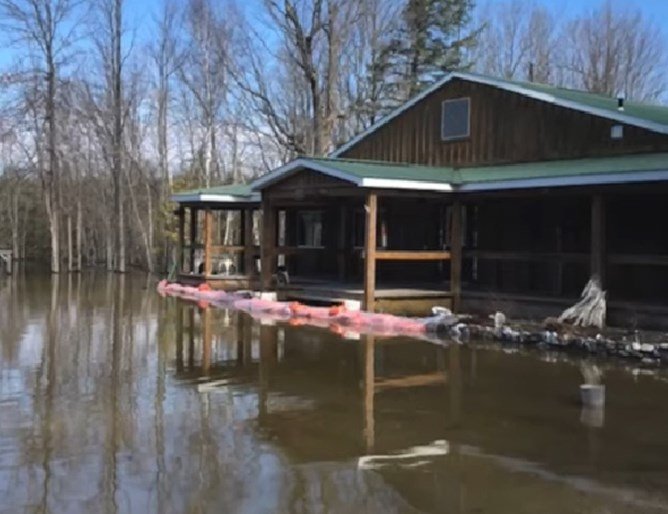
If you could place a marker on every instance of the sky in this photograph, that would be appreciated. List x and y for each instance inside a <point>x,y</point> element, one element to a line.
<point>139,14</point>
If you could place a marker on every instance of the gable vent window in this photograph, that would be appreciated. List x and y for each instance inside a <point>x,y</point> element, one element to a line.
<point>455,119</point>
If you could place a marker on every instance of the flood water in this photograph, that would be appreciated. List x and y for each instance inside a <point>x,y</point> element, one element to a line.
<point>113,399</point>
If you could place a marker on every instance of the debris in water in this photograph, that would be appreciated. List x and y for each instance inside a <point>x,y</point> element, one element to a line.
<point>590,310</point>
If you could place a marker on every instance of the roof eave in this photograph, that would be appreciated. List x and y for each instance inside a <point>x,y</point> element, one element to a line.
<point>627,177</point>
<point>413,185</point>
<point>215,198</point>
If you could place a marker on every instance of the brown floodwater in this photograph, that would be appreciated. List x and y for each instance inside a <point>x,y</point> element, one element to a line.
<point>113,399</point>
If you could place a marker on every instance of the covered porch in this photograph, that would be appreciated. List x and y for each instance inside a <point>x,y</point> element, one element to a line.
<point>383,235</point>
<point>218,237</point>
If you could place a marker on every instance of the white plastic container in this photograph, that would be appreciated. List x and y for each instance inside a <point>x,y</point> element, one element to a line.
<point>592,395</point>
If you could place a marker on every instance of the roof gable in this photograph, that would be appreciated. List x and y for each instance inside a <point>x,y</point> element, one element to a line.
<point>362,173</point>
<point>650,117</point>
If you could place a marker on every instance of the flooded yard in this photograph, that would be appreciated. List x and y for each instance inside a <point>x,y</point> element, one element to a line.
<point>113,399</point>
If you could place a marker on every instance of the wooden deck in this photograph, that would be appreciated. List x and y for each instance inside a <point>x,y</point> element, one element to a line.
<point>221,282</point>
<point>414,299</point>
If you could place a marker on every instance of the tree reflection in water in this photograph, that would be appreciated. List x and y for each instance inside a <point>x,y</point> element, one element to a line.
<point>113,399</point>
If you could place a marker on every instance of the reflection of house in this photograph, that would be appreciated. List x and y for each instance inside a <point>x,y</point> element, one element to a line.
<point>478,190</point>
<point>321,400</point>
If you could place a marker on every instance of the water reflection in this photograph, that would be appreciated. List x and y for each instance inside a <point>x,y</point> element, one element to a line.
<point>115,400</point>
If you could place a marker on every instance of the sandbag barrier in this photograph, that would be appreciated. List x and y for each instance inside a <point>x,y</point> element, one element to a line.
<point>440,328</point>
<point>336,318</point>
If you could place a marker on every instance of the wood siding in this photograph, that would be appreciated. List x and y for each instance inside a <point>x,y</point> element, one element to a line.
<point>304,183</point>
<point>505,128</point>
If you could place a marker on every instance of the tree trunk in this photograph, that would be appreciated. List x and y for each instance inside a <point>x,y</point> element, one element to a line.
<point>70,262</point>
<point>118,134</point>
<point>15,225</point>
<point>51,182</point>
<point>79,230</point>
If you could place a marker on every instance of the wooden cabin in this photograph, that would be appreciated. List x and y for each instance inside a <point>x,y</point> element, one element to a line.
<point>480,194</point>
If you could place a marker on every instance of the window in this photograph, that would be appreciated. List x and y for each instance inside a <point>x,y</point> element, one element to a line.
<point>455,119</point>
<point>309,229</point>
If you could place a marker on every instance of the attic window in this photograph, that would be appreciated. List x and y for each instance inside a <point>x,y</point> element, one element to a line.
<point>455,119</point>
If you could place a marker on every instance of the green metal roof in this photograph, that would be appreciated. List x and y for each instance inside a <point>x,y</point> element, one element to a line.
<point>386,170</point>
<point>383,175</point>
<point>565,168</point>
<point>641,110</point>
<point>562,168</point>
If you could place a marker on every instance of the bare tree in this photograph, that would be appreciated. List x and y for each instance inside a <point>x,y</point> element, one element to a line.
<point>299,96</point>
<point>46,29</point>
<point>164,54</point>
<point>613,52</point>
<point>203,72</point>
<point>108,107</point>
<point>518,42</point>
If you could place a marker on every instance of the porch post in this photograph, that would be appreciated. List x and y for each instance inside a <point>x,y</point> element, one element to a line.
<point>371,209</point>
<point>193,237</point>
<point>182,238</point>
<point>268,247</point>
<point>247,215</point>
<point>456,255</point>
<point>208,222</point>
<point>597,266</point>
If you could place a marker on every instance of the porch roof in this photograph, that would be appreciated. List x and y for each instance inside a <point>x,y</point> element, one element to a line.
<point>233,193</point>
<point>385,175</point>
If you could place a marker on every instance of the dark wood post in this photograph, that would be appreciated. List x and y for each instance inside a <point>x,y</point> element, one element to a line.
<point>208,223</point>
<point>193,238</point>
<point>249,265</point>
<point>371,208</point>
<point>268,246</point>
<point>597,267</point>
<point>456,255</point>
<point>182,238</point>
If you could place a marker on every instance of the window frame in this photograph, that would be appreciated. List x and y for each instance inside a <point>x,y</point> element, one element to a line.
<point>459,137</point>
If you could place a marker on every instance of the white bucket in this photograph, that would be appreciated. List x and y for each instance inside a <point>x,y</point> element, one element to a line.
<point>592,395</point>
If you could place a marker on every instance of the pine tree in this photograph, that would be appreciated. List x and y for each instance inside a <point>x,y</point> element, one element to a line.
<point>431,40</point>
